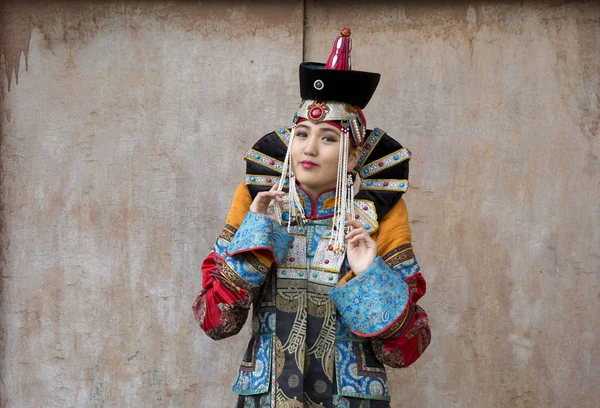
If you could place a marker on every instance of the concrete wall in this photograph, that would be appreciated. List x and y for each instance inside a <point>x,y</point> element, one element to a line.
<point>121,147</point>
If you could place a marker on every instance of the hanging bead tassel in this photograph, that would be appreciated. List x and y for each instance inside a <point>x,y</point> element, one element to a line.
<point>296,210</point>
<point>343,197</point>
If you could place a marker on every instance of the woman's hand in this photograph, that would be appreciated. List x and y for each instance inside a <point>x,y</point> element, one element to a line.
<point>361,249</point>
<point>263,199</point>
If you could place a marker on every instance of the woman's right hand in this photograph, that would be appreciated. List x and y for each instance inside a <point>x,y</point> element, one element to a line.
<point>263,199</point>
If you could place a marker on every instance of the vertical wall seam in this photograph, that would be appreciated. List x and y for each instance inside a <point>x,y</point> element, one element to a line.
<point>304,29</point>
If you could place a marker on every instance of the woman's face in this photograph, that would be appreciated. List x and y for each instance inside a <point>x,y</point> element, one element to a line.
<point>315,151</point>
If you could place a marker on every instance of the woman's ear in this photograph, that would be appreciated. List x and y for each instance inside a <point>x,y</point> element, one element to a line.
<point>353,157</point>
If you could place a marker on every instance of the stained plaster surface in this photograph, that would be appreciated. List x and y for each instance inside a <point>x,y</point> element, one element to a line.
<point>121,155</point>
<point>500,106</point>
<point>121,147</point>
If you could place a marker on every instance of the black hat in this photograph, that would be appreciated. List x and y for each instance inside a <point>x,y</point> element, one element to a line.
<point>351,87</point>
<point>335,81</point>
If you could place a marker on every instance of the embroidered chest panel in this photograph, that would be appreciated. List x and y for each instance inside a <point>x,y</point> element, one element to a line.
<point>311,257</point>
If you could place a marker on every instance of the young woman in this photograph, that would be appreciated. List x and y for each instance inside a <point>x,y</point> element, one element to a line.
<point>317,242</point>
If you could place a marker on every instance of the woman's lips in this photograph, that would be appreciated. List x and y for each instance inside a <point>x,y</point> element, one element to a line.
<point>308,164</point>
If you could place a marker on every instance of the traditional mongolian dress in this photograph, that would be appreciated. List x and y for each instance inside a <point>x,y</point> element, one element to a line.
<point>320,334</point>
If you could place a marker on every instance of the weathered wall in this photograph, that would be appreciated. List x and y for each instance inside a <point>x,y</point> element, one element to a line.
<point>121,147</point>
<point>122,152</point>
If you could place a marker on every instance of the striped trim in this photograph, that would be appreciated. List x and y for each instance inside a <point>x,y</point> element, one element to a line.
<point>369,145</point>
<point>384,185</point>
<point>259,180</point>
<point>231,275</point>
<point>399,255</point>
<point>261,158</point>
<point>368,217</point>
<point>284,135</point>
<point>385,162</point>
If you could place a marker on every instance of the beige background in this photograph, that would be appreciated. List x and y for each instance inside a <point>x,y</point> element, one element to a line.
<point>121,147</point>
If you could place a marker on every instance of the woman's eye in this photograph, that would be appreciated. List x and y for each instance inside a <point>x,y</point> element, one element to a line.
<point>301,134</point>
<point>329,139</point>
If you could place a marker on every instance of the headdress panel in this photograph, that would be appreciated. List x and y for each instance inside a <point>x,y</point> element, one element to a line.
<point>383,167</point>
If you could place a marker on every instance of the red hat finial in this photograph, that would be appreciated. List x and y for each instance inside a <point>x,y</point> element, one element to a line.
<point>339,58</point>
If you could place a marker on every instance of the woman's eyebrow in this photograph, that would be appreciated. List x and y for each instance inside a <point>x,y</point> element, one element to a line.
<point>329,130</point>
<point>302,126</point>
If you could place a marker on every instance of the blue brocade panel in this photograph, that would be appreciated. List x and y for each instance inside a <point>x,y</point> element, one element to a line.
<point>254,375</point>
<point>355,378</point>
<point>373,300</point>
<point>259,231</point>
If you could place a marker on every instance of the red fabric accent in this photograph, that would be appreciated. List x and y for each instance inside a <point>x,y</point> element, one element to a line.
<point>416,286</point>
<point>413,341</point>
<point>331,122</point>
<point>339,59</point>
<point>215,292</point>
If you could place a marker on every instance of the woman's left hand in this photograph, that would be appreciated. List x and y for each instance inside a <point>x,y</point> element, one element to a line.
<point>361,249</point>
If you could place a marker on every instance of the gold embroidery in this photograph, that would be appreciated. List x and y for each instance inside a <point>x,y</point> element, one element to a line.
<point>284,402</point>
<point>279,356</point>
<point>296,340</point>
<point>323,347</point>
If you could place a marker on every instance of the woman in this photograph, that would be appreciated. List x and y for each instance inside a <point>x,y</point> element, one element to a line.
<point>317,242</point>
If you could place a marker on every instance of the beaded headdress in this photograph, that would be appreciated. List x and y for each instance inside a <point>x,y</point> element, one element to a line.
<point>332,93</point>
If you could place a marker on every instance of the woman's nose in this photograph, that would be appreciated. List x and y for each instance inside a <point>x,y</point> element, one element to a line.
<point>310,147</point>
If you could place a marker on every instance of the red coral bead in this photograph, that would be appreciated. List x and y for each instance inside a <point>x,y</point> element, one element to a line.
<point>326,261</point>
<point>385,183</point>
<point>365,208</point>
<point>380,164</point>
<point>272,162</point>
<point>268,180</point>
<point>292,259</point>
<point>357,216</point>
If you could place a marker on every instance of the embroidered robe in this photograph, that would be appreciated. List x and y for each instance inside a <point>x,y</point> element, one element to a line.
<point>320,334</point>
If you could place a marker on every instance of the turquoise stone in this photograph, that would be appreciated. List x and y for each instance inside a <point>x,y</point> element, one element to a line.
<point>314,275</point>
<point>396,157</point>
<point>300,273</point>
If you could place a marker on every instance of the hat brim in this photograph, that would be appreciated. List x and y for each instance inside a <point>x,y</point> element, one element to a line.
<point>351,87</point>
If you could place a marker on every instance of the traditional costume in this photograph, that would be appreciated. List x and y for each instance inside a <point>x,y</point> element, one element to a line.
<point>320,334</point>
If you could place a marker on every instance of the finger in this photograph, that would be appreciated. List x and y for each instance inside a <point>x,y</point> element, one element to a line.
<point>355,225</point>
<point>352,223</point>
<point>275,186</point>
<point>264,195</point>
<point>354,233</point>
<point>358,239</point>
